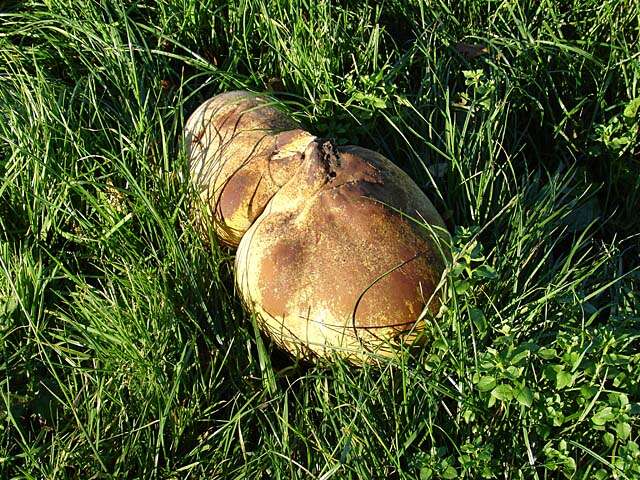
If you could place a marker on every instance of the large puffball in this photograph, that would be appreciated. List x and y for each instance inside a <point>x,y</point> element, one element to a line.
<point>241,150</point>
<point>337,263</point>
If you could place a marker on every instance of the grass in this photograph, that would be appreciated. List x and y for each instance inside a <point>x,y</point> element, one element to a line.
<point>125,352</point>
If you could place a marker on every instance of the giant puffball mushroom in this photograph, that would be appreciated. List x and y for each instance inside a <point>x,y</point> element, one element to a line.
<point>241,150</point>
<point>336,262</point>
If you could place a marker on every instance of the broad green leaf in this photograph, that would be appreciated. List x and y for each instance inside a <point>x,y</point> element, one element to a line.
<point>631,110</point>
<point>547,353</point>
<point>485,272</point>
<point>514,371</point>
<point>478,319</point>
<point>623,430</point>
<point>486,383</point>
<point>588,392</point>
<point>462,286</point>
<point>549,372</point>
<point>603,416</point>
<point>608,439</point>
<point>568,465</point>
<point>563,379</point>
<point>503,392</point>
<point>518,357</point>
<point>524,396</point>
<point>449,473</point>
<point>623,399</point>
<point>571,359</point>
<point>426,473</point>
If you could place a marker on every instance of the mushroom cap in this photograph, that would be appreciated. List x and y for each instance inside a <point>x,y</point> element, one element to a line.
<point>241,150</point>
<point>335,264</point>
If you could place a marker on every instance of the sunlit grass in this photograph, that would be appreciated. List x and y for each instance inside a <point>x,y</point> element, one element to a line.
<point>125,352</point>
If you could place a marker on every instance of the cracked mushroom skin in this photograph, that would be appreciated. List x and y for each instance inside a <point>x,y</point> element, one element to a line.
<point>241,150</point>
<point>331,265</point>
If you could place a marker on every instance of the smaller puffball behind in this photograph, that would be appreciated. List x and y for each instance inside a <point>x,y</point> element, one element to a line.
<point>241,150</point>
<point>334,264</point>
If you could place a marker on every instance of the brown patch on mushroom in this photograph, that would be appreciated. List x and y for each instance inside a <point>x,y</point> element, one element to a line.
<point>283,139</point>
<point>236,191</point>
<point>276,271</point>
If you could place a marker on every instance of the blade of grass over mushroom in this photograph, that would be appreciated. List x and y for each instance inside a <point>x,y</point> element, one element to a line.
<point>122,340</point>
